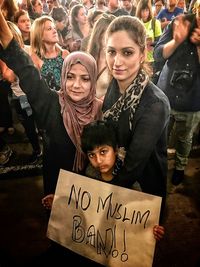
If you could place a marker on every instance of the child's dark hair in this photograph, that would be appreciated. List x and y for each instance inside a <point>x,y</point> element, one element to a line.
<point>96,134</point>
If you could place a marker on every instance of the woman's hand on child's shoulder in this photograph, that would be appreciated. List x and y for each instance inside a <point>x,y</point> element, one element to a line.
<point>47,201</point>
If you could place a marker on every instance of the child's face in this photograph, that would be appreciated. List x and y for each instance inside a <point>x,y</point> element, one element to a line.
<point>103,158</point>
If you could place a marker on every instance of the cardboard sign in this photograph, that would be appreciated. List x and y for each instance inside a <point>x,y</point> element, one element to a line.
<point>106,223</point>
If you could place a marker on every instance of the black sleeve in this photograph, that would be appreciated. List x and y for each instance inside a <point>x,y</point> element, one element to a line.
<point>38,93</point>
<point>145,138</point>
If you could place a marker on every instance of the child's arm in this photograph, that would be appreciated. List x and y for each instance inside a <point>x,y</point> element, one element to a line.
<point>48,201</point>
<point>158,232</point>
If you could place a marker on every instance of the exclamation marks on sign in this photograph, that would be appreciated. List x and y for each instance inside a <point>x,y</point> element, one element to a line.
<point>124,256</point>
<point>115,252</point>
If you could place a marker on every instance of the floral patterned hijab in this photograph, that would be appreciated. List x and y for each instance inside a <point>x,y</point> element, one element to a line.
<point>77,114</point>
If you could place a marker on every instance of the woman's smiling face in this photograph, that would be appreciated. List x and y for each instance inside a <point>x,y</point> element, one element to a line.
<point>78,84</point>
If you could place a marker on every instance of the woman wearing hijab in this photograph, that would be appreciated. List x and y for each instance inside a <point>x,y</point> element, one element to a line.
<point>62,115</point>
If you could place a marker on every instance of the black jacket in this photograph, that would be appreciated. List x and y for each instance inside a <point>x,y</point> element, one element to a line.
<point>180,76</point>
<point>146,143</point>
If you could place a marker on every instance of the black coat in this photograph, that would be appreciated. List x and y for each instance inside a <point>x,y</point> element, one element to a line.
<point>146,143</point>
<point>180,76</point>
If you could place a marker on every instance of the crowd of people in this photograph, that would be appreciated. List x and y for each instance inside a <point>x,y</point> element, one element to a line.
<point>114,64</point>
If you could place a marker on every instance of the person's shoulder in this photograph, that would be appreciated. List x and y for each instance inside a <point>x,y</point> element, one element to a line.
<point>162,97</point>
<point>99,104</point>
<point>36,60</point>
<point>27,49</point>
<point>123,12</point>
<point>65,53</point>
<point>119,12</point>
<point>157,21</point>
<point>93,173</point>
<point>162,12</point>
<point>99,100</point>
<point>148,23</point>
<point>154,92</point>
<point>178,10</point>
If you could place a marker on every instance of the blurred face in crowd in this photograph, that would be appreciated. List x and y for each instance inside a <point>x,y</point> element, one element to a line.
<point>50,4</point>
<point>145,14</point>
<point>81,17</point>
<point>38,7</point>
<point>50,34</point>
<point>78,84</point>
<point>23,4</point>
<point>197,9</point>
<point>113,4</point>
<point>60,24</point>
<point>181,4</point>
<point>101,2</point>
<point>24,23</point>
<point>126,4</point>
<point>158,6</point>
<point>195,36</point>
<point>171,4</point>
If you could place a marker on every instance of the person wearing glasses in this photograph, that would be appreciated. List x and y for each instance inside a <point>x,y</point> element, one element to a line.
<point>158,5</point>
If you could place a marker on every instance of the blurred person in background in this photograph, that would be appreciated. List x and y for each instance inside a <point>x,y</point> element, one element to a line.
<point>80,28</point>
<point>23,22</point>
<point>61,19</point>
<point>5,152</point>
<point>51,4</point>
<point>23,5</point>
<point>98,5</point>
<point>46,53</point>
<point>88,4</point>
<point>158,5</point>
<point>115,9</point>
<point>35,9</point>
<point>96,47</point>
<point>9,8</point>
<point>128,6</point>
<point>21,103</point>
<point>153,28</point>
<point>167,14</point>
<point>6,116</point>
<point>182,4</point>
<point>93,16</point>
<point>179,47</point>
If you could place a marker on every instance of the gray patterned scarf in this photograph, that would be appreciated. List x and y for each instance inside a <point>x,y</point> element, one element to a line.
<point>130,99</point>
